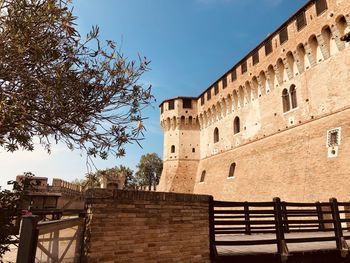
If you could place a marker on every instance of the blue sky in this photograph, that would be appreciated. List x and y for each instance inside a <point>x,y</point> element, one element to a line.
<point>190,43</point>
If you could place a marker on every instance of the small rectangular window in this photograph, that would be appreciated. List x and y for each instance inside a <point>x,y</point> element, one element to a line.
<point>202,99</point>
<point>171,105</point>
<point>161,108</point>
<point>321,6</point>
<point>333,140</point>
<point>255,58</point>
<point>187,103</point>
<point>333,137</point>
<point>268,47</point>
<point>244,67</point>
<point>216,89</point>
<point>232,170</point>
<point>224,82</point>
<point>208,94</point>
<point>301,20</point>
<point>202,177</point>
<point>233,75</point>
<point>283,35</point>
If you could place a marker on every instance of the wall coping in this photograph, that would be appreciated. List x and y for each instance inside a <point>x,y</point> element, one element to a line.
<point>96,194</point>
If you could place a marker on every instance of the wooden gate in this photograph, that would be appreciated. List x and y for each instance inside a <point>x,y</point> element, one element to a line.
<point>50,242</point>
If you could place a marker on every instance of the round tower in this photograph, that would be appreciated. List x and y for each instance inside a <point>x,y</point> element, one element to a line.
<point>179,121</point>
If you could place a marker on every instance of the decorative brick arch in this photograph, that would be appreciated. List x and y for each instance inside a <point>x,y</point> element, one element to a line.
<point>262,82</point>
<point>248,91</point>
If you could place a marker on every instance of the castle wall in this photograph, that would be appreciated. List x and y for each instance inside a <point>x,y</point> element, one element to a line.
<point>292,165</point>
<point>72,196</point>
<point>179,176</point>
<point>286,104</point>
<point>181,148</point>
<point>321,90</point>
<point>277,158</point>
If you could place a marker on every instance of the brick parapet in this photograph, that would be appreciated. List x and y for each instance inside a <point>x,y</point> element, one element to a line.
<point>98,195</point>
<point>137,226</point>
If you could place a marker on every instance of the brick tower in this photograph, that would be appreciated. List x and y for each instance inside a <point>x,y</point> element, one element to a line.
<point>181,144</point>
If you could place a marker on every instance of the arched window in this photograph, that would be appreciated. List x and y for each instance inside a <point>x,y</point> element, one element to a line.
<point>202,177</point>
<point>236,125</point>
<point>172,148</point>
<point>285,100</point>
<point>293,96</point>
<point>216,135</point>
<point>232,170</point>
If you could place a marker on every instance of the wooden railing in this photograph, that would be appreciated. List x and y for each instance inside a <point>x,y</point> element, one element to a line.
<point>279,218</point>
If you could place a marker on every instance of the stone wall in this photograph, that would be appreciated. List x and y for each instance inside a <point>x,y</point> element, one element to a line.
<point>278,151</point>
<point>292,165</point>
<point>128,226</point>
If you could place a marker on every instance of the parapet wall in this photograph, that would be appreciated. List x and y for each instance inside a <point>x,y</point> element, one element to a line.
<point>128,226</point>
<point>64,185</point>
<point>72,194</point>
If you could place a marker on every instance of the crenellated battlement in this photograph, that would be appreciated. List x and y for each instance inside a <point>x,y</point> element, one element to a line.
<point>309,37</point>
<point>278,70</point>
<point>275,119</point>
<point>61,185</point>
<point>282,54</point>
<point>181,123</point>
<point>179,113</point>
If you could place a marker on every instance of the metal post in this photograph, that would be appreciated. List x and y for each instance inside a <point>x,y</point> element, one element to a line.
<point>28,240</point>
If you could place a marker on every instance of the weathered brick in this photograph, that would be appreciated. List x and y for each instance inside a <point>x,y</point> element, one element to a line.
<point>276,153</point>
<point>148,227</point>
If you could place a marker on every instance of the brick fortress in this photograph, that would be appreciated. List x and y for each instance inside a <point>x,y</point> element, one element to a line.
<point>276,124</point>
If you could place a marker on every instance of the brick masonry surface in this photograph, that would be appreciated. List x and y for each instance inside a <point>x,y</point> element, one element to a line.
<point>128,226</point>
<point>277,151</point>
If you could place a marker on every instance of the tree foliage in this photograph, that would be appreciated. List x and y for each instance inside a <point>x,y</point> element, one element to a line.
<point>93,179</point>
<point>8,202</point>
<point>9,208</point>
<point>130,182</point>
<point>59,86</point>
<point>149,170</point>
